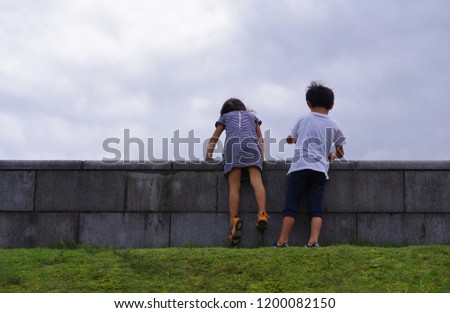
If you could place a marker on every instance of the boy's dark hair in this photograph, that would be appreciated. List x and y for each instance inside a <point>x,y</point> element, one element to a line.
<point>320,96</point>
<point>232,104</point>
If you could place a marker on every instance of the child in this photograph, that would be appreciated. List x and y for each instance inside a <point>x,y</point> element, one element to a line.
<point>243,151</point>
<point>314,134</point>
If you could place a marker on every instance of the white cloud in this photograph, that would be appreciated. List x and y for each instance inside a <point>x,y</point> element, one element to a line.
<point>82,71</point>
<point>12,129</point>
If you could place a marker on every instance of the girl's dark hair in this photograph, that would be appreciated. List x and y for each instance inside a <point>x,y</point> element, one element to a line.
<point>319,95</point>
<point>232,104</point>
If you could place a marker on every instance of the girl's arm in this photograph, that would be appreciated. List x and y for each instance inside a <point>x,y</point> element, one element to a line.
<point>260,139</point>
<point>212,142</point>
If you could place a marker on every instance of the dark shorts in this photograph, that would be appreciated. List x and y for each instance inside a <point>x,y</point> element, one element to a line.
<point>307,183</point>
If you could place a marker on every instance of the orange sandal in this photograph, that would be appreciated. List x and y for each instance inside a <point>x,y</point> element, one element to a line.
<point>262,220</point>
<point>235,232</point>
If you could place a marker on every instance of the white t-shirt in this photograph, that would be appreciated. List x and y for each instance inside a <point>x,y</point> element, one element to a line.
<point>316,134</point>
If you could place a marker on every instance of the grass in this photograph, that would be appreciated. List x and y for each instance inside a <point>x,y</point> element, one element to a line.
<point>327,269</point>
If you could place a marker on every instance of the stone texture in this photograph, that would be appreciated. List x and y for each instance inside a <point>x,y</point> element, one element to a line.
<point>338,228</point>
<point>159,205</point>
<point>15,230</point>
<point>50,229</point>
<point>177,191</point>
<point>124,230</point>
<point>365,191</point>
<point>17,190</point>
<point>427,191</point>
<point>27,230</point>
<point>403,229</point>
<point>199,229</point>
<point>80,191</point>
<point>340,192</point>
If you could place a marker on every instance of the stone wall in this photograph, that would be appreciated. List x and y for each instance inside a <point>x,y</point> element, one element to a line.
<point>44,203</point>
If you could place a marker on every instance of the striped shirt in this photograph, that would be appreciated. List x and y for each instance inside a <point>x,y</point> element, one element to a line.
<point>242,147</point>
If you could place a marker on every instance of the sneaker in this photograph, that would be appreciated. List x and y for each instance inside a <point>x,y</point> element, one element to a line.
<point>235,231</point>
<point>284,245</point>
<point>314,245</point>
<point>262,220</point>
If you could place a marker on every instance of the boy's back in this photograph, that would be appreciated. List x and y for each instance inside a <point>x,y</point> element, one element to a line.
<point>315,134</point>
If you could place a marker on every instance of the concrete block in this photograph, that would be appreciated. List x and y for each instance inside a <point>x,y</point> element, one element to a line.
<point>435,229</point>
<point>380,191</point>
<point>199,229</point>
<point>17,190</point>
<point>338,228</point>
<point>125,230</point>
<point>80,191</point>
<point>147,191</point>
<point>275,183</point>
<point>403,229</point>
<point>381,229</point>
<point>184,191</point>
<point>427,191</point>
<point>51,229</point>
<point>339,192</point>
<point>15,230</point>
<point>28,230</point>
<point>365,191</point>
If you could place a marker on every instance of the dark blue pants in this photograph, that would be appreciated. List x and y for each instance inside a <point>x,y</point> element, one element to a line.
<point>307,183</point>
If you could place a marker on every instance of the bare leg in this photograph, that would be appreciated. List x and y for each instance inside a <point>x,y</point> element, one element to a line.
<point>258,187</point>
<point>234,186</point>
<point>316,227</point>
<point>286,228</point>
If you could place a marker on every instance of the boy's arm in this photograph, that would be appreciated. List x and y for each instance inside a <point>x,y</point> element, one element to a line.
<point>291,140</point>
<point>212,142</point>
<point>294,133</point>
<point>338,154</point>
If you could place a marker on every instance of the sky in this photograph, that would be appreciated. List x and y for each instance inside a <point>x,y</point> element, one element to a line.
<point>77,75</point>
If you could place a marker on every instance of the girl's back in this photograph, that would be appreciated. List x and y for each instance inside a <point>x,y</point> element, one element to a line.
<point>240,124</point>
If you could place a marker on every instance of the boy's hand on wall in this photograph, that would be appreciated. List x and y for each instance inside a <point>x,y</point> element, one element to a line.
<point>291,140</point>
<point>332,156</point>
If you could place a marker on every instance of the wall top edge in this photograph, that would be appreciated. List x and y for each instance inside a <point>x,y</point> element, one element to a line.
<point>211,166</point>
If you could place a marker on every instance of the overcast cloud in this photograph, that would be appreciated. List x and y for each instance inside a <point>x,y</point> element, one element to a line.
<point>74,73</point>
